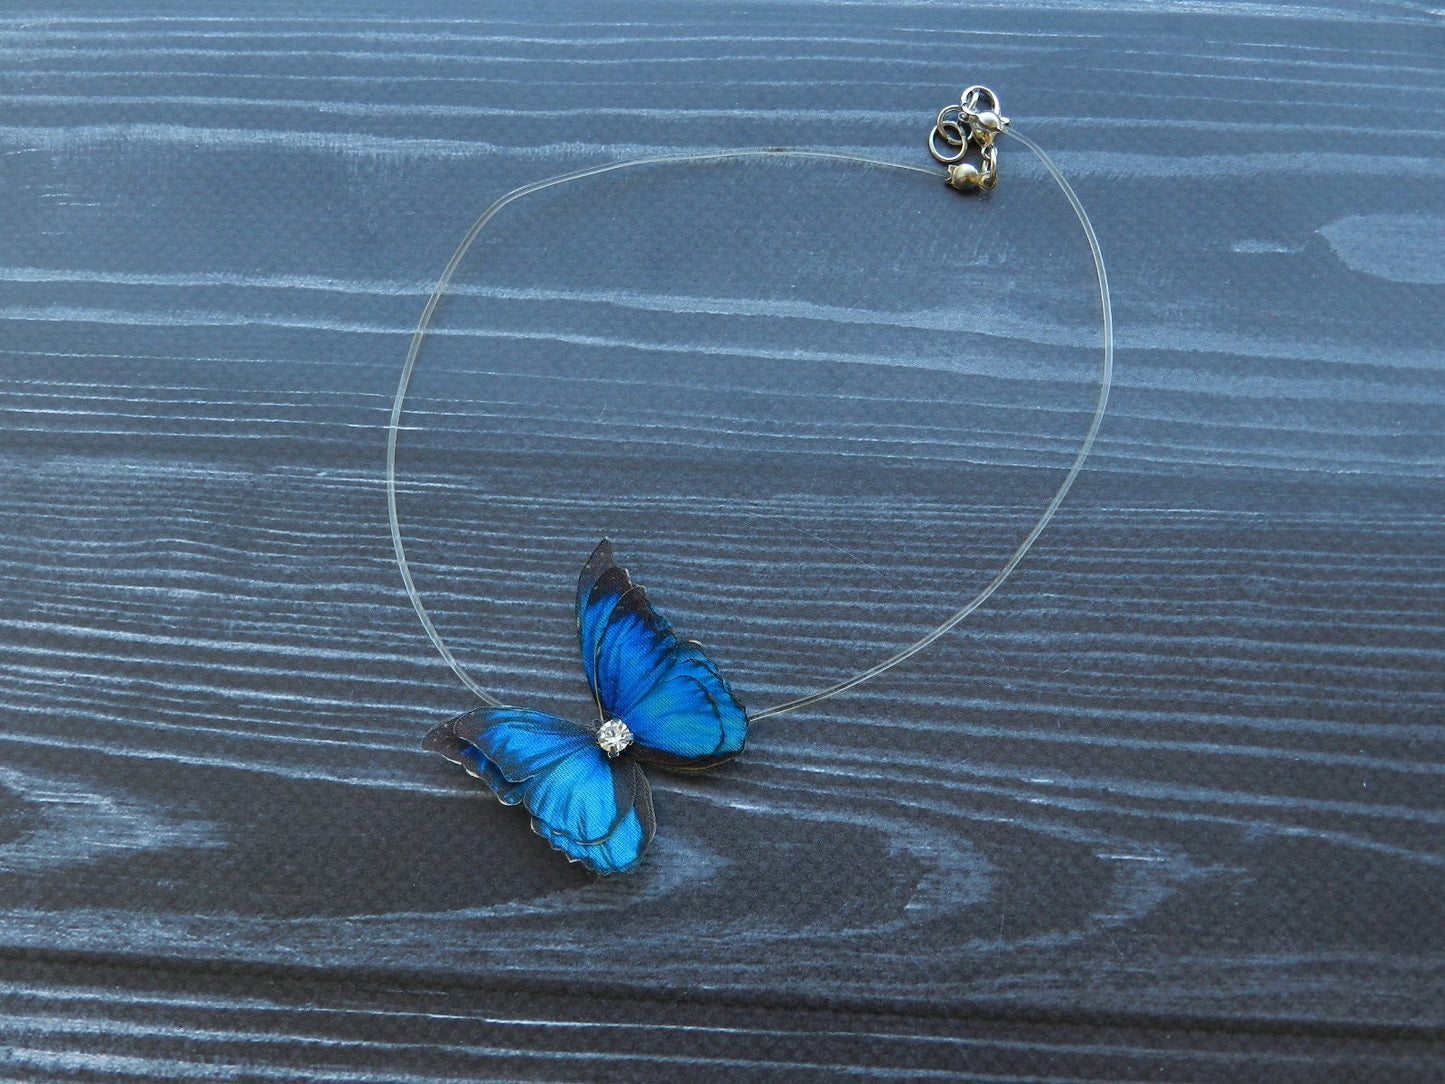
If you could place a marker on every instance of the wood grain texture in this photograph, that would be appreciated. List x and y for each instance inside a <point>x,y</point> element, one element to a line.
<point>1169,808</point>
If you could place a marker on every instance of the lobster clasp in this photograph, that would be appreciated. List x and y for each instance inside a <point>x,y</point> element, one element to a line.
<point>971,124</point>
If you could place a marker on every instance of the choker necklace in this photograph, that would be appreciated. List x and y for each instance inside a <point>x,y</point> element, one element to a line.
<point>657,698</point>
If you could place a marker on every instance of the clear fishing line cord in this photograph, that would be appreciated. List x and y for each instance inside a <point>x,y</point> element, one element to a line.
<point>444,282</point>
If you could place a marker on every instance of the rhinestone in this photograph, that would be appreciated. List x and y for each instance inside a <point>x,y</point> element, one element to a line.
<point>614,737</point>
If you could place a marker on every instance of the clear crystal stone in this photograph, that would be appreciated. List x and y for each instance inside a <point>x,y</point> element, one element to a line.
<point>614,737</point>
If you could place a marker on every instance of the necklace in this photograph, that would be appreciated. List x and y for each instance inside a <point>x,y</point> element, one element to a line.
<point>657,697</point>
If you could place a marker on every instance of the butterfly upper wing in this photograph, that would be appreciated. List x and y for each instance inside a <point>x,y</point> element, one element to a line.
<point>596,810</point>
<point>681,712</point>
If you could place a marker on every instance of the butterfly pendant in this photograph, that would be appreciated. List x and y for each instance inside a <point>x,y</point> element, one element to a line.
<point>660,701</point>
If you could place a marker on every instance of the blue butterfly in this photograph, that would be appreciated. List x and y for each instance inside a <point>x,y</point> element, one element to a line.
<point>660,701</point>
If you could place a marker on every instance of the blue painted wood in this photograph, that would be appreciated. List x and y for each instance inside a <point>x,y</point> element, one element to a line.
<point>1168,808</point>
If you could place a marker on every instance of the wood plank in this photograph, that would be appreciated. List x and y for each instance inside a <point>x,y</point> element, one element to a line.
<point>1168,807</point>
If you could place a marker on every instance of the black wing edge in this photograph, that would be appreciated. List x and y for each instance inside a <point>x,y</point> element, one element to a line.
<point>640,793</point>
<point>454,735</point>
<point>599,563</point>
<point>603,573</point>
<point>682,765</point>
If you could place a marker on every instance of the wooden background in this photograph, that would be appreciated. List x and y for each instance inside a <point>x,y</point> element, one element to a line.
<point>1168,808</point>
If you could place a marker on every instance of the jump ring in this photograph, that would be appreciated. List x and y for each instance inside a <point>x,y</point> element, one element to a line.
<point>939,133</point>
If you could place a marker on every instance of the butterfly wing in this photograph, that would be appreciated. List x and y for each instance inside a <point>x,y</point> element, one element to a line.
<point>681,712</point>
<point>595,810</point>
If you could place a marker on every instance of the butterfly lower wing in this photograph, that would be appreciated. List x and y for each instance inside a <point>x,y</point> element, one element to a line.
<point>595,810</point>
<point>679,708</point>
<point>443,739</point>
<point>621,849</point>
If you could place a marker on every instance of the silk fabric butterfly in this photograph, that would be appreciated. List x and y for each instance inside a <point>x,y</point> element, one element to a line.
<point>659,701</point>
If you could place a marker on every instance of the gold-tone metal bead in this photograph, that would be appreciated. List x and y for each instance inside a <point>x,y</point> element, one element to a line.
<point>964,176</point>
<point>988,120</point>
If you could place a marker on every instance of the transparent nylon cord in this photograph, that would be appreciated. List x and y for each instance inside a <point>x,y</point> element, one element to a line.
<point>1106,379</point>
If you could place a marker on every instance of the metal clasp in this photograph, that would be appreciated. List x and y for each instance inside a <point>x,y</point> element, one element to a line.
<point>972,123</point>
